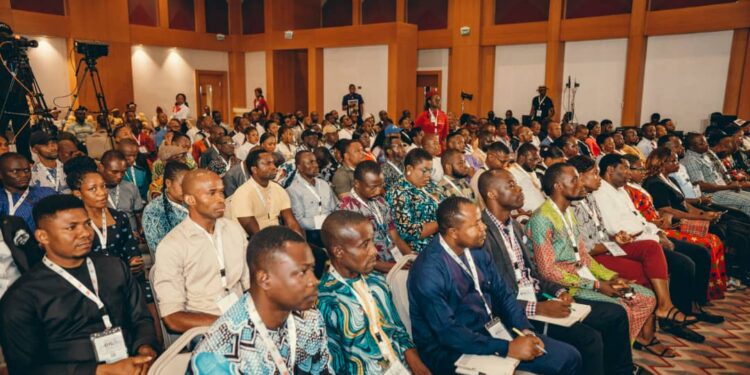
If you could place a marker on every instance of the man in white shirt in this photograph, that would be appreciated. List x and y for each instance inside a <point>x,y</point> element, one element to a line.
<point>527,158</point>
<point>347,130</point>
<point>200,269</point>
<point>431,144</point>
<point>48,170</point>
<point>648,142</point>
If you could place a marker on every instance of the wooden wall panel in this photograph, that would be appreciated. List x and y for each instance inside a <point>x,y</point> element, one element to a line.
<point>553,69</point>
<point>237,93</point>
<point>523,33</point>
<point>315,79</point>
<point>487,79</point>
<point>743,105</point>
<point>699,19</point>
<point>605,27</point>
<point>635,65</point>
<point>402,70</point>
<point>735,74</point>
<point>429,39</point>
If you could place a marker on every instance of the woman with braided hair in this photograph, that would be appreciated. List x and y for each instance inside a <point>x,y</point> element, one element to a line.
<point>165,212</point>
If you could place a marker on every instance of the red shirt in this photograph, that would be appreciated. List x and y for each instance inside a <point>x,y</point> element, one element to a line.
<point>440,127</point>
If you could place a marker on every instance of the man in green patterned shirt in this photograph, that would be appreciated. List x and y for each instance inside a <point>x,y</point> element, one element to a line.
<point>365,333</point>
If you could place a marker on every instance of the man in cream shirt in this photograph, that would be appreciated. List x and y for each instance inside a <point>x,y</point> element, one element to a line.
<point>200,269</point>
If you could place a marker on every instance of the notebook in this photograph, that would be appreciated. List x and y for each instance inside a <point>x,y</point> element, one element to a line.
<point>470,364</point>
<point>579,313</point>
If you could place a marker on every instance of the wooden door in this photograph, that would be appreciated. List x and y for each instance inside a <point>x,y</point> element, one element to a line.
<point>426,80</point>
<point>211,87</point>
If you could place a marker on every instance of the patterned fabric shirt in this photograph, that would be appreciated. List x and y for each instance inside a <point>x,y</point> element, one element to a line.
<point>391,173</point>
<point>451,187</point>
<point>159,218</point>
<point>414,207</point>
<point>379,213</point>
<point>157,175</point>
<point>53,178</point>
<point>353,348</point>
<point>232,345</point>
<point>700,168</point>
<point>24,209</point>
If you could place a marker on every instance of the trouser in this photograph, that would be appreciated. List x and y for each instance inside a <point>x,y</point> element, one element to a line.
<point>689,269</point>
<point>734,230</point>
<point>644,261</point>
<point>318,250</point>
<point>602,338</point>
<point>561,358</point>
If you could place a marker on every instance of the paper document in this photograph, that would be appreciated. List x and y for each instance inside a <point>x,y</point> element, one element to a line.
<point>579,312</point>
<point>470,364</point>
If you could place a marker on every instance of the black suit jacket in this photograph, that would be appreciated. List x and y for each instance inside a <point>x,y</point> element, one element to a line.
<point>21,242</point>
<point>495,245</point>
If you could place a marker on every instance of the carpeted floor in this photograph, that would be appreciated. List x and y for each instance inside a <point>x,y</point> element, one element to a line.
<point>725,351</point>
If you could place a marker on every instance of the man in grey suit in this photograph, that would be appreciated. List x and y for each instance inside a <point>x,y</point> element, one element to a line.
<point>602,338</point>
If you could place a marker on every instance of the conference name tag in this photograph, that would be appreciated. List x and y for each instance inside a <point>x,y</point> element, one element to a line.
<point>395,253</point>
<point>396,368</point>
<point>539,113</point>
<point>226,302</point>
<point>614,249</point>
<point>526,293</point>
<point>109,345</point>
<point>585,273</point>
<point>497,330</point>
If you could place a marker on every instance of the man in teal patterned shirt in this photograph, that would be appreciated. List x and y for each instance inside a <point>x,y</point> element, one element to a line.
<point>365,333</point>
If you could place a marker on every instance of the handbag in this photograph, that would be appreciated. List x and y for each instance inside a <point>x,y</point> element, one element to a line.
<point>694,227</point>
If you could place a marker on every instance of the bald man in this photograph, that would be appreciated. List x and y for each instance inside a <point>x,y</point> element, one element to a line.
<point>200,270</point>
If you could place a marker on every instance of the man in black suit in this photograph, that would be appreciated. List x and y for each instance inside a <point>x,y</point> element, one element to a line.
<point>602,338</point>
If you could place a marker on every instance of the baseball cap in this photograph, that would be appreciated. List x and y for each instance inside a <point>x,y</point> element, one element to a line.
<point>40,138</point>
<point>329,129</point>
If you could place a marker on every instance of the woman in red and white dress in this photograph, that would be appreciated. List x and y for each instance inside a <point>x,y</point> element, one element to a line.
<point>180,111</point>
<point>259,103</point>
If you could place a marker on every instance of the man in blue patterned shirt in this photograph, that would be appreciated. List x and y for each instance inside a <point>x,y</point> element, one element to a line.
<point>273,328</point>
<point>365,333</point>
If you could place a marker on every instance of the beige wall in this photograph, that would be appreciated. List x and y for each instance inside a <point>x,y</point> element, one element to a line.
<point>365,66</point>
<point>50,65</point>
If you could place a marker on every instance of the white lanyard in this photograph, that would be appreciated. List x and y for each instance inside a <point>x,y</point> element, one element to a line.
<point>94,297</point>
<point>114,202</point>
<point>102,234</point>
<point>671,184</point>
<point>227,163</point>
<point>472,271</point>
<point>375,211</point>
<point>541,99</point>
<point>315,193</point>
<point>12,207</point>
<point>56,179</point>
<point>447,179</point>
<point>511,244</point>
<point>132,174</point>
<point>291,327</point>
<point>430,195</point>
<point>242,168</point>
<point>218,250</point>
<point>178,206</point>
<point>433,118</point>
<point>568,228</point>
<point>532,177</point>
<point>395,167</point>
<point>263,198</point>
<point>369,307</point>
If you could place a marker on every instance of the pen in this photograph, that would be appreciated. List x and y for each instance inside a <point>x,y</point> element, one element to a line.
<point>551,298</point>
<point>519,333</point>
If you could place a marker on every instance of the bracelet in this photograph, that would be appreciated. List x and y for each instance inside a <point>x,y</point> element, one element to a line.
<point>596,286</point>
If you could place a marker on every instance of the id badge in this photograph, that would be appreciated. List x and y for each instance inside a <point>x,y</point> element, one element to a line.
<point>395,368</point>
<point>143,150</point>
<point>226,302</point>
<point>395,253</point>
<point>614,248</point>
<point>585,273</point>
<point>109,345</point>
<point>319,219</point>
<point>539,113</point>
<point>526,293</point>
<point>497,330</point>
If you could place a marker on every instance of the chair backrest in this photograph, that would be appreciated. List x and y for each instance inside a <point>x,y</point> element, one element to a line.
<point>172,361</point>
<point>169,337</point>
<point>397,282</point>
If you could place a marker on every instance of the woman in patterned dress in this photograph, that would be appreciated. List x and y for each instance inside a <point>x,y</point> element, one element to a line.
<point>415,199</point>
<point>662,162</point>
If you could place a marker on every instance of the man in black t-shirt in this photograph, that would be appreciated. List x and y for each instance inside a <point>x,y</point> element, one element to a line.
<point>542,106</point>
<point>353,101</point>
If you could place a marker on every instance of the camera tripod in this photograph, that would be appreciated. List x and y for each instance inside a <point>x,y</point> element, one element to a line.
<point>90,70</point>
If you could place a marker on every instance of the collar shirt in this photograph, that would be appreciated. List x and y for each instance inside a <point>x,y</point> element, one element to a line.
<point>646,146</point>
<point>700,168</point>
<point>682,178</point>
<point>53,178</point>
<point>532,187</point>
<point>619,213</point>
<point>309,201</point>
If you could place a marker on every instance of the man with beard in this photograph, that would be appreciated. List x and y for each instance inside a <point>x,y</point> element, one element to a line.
<point>365,333</point>
<point>310,139</point>
<point>199,272</point>
<point>630,136</point>
<point>648,142</point>
<point>455,172</point>
<point>527,158</point>
<point>433,120</point>
<point>393,168</point>
<point>53,320</point>
<point>311,197</point>
<point>19,197</point>
<point>273,328</point>
<point>261,202</point>
<point>48,171</point>
<point>459,304</point>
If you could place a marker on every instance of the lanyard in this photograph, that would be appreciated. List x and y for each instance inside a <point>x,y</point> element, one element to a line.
<point>218,250</point>
<point>541,99</point>
<point>93,296</point>
<point>132,174</point>
<point>594,216</point>
<point>263,198</point>
<point>671,184</point>
<point>227,163</point>
<point>315,193</point>
<point>375,211</point>
<point>114,202</point>
<point>291,326</point>
<point>102,234</point>
<point>471,271</point>
<point>364,296</point>
<point>424,191</point>
<point>433,118</point>
<point>513,248</point>
<point>532,176</point>
<point>447,179</point>
<point>567,223</point>
<point>55,179</point>
<point>244,174</point>
<point>395,167</point>
<point>12,207</point>
<point>178,206</point>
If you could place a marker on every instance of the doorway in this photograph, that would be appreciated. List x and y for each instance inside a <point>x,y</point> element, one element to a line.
<point>426,80</point>
<point>290,80</point>
<point>211,87</point>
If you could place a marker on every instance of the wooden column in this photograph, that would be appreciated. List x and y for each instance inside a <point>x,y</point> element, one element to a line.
<point>200,15</point>
<point>487,80</point>
<point>163,10</point>
<point>356,12</point>
<point>464,63</point>
<point>553,67</point>
<point>402,70</point>
<point>735,75</point>
<point>6,14</point>
<point>315,80</point>
<point>635,65</point>
<point>743,106</point>
<point>400,10</point>
<point>237,92</point>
